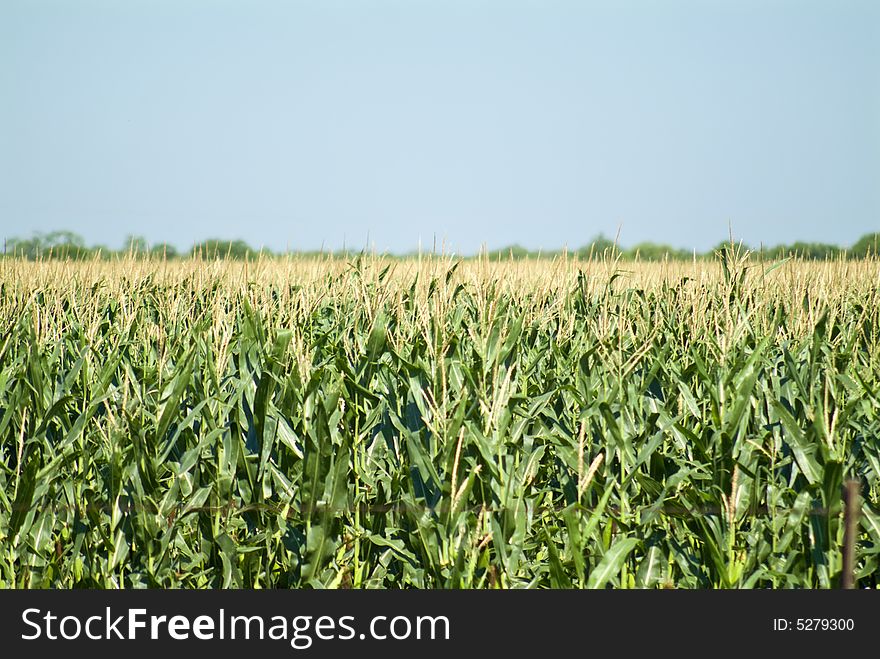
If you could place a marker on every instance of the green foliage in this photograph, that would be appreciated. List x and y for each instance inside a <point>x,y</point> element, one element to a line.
<point>653,252</point>
<point>814,251</point>
<point>56,244</point>
<point>228,249</point>
<point>137,245</point>
<point>68,245</point>
<point>598,248</point>
<point>869,244</point>
<point>163,250</point>
<point>512,252</point>
<point>448,426</point>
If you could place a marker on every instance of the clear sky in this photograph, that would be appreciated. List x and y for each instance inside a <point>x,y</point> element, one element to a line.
<point>493,122</point>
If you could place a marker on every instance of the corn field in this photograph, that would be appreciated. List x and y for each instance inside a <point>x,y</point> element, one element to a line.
<point>433,423</point>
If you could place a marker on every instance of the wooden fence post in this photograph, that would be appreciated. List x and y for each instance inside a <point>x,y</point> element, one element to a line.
<point>851,524</point>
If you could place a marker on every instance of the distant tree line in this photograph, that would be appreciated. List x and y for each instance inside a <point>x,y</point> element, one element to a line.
<point>68,245</point>
<point>648,251</point>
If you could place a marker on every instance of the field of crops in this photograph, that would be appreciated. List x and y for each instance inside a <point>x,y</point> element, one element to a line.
<point>362,423</point>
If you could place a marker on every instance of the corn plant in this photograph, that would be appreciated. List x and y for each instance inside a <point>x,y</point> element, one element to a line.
<point>425,423</point>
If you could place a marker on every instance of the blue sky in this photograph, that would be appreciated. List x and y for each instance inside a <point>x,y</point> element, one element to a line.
<point>323,123</point>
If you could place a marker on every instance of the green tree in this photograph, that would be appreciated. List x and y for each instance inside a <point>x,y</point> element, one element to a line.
<point>230,249</point>
<point>804,250</point>
<point>164,250</point>
<point>597,247</point>
<point>55,244</point>
<point>136,245</point>
<point>511,251</point>
<point>867,244</point>
<point>656,252</point>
